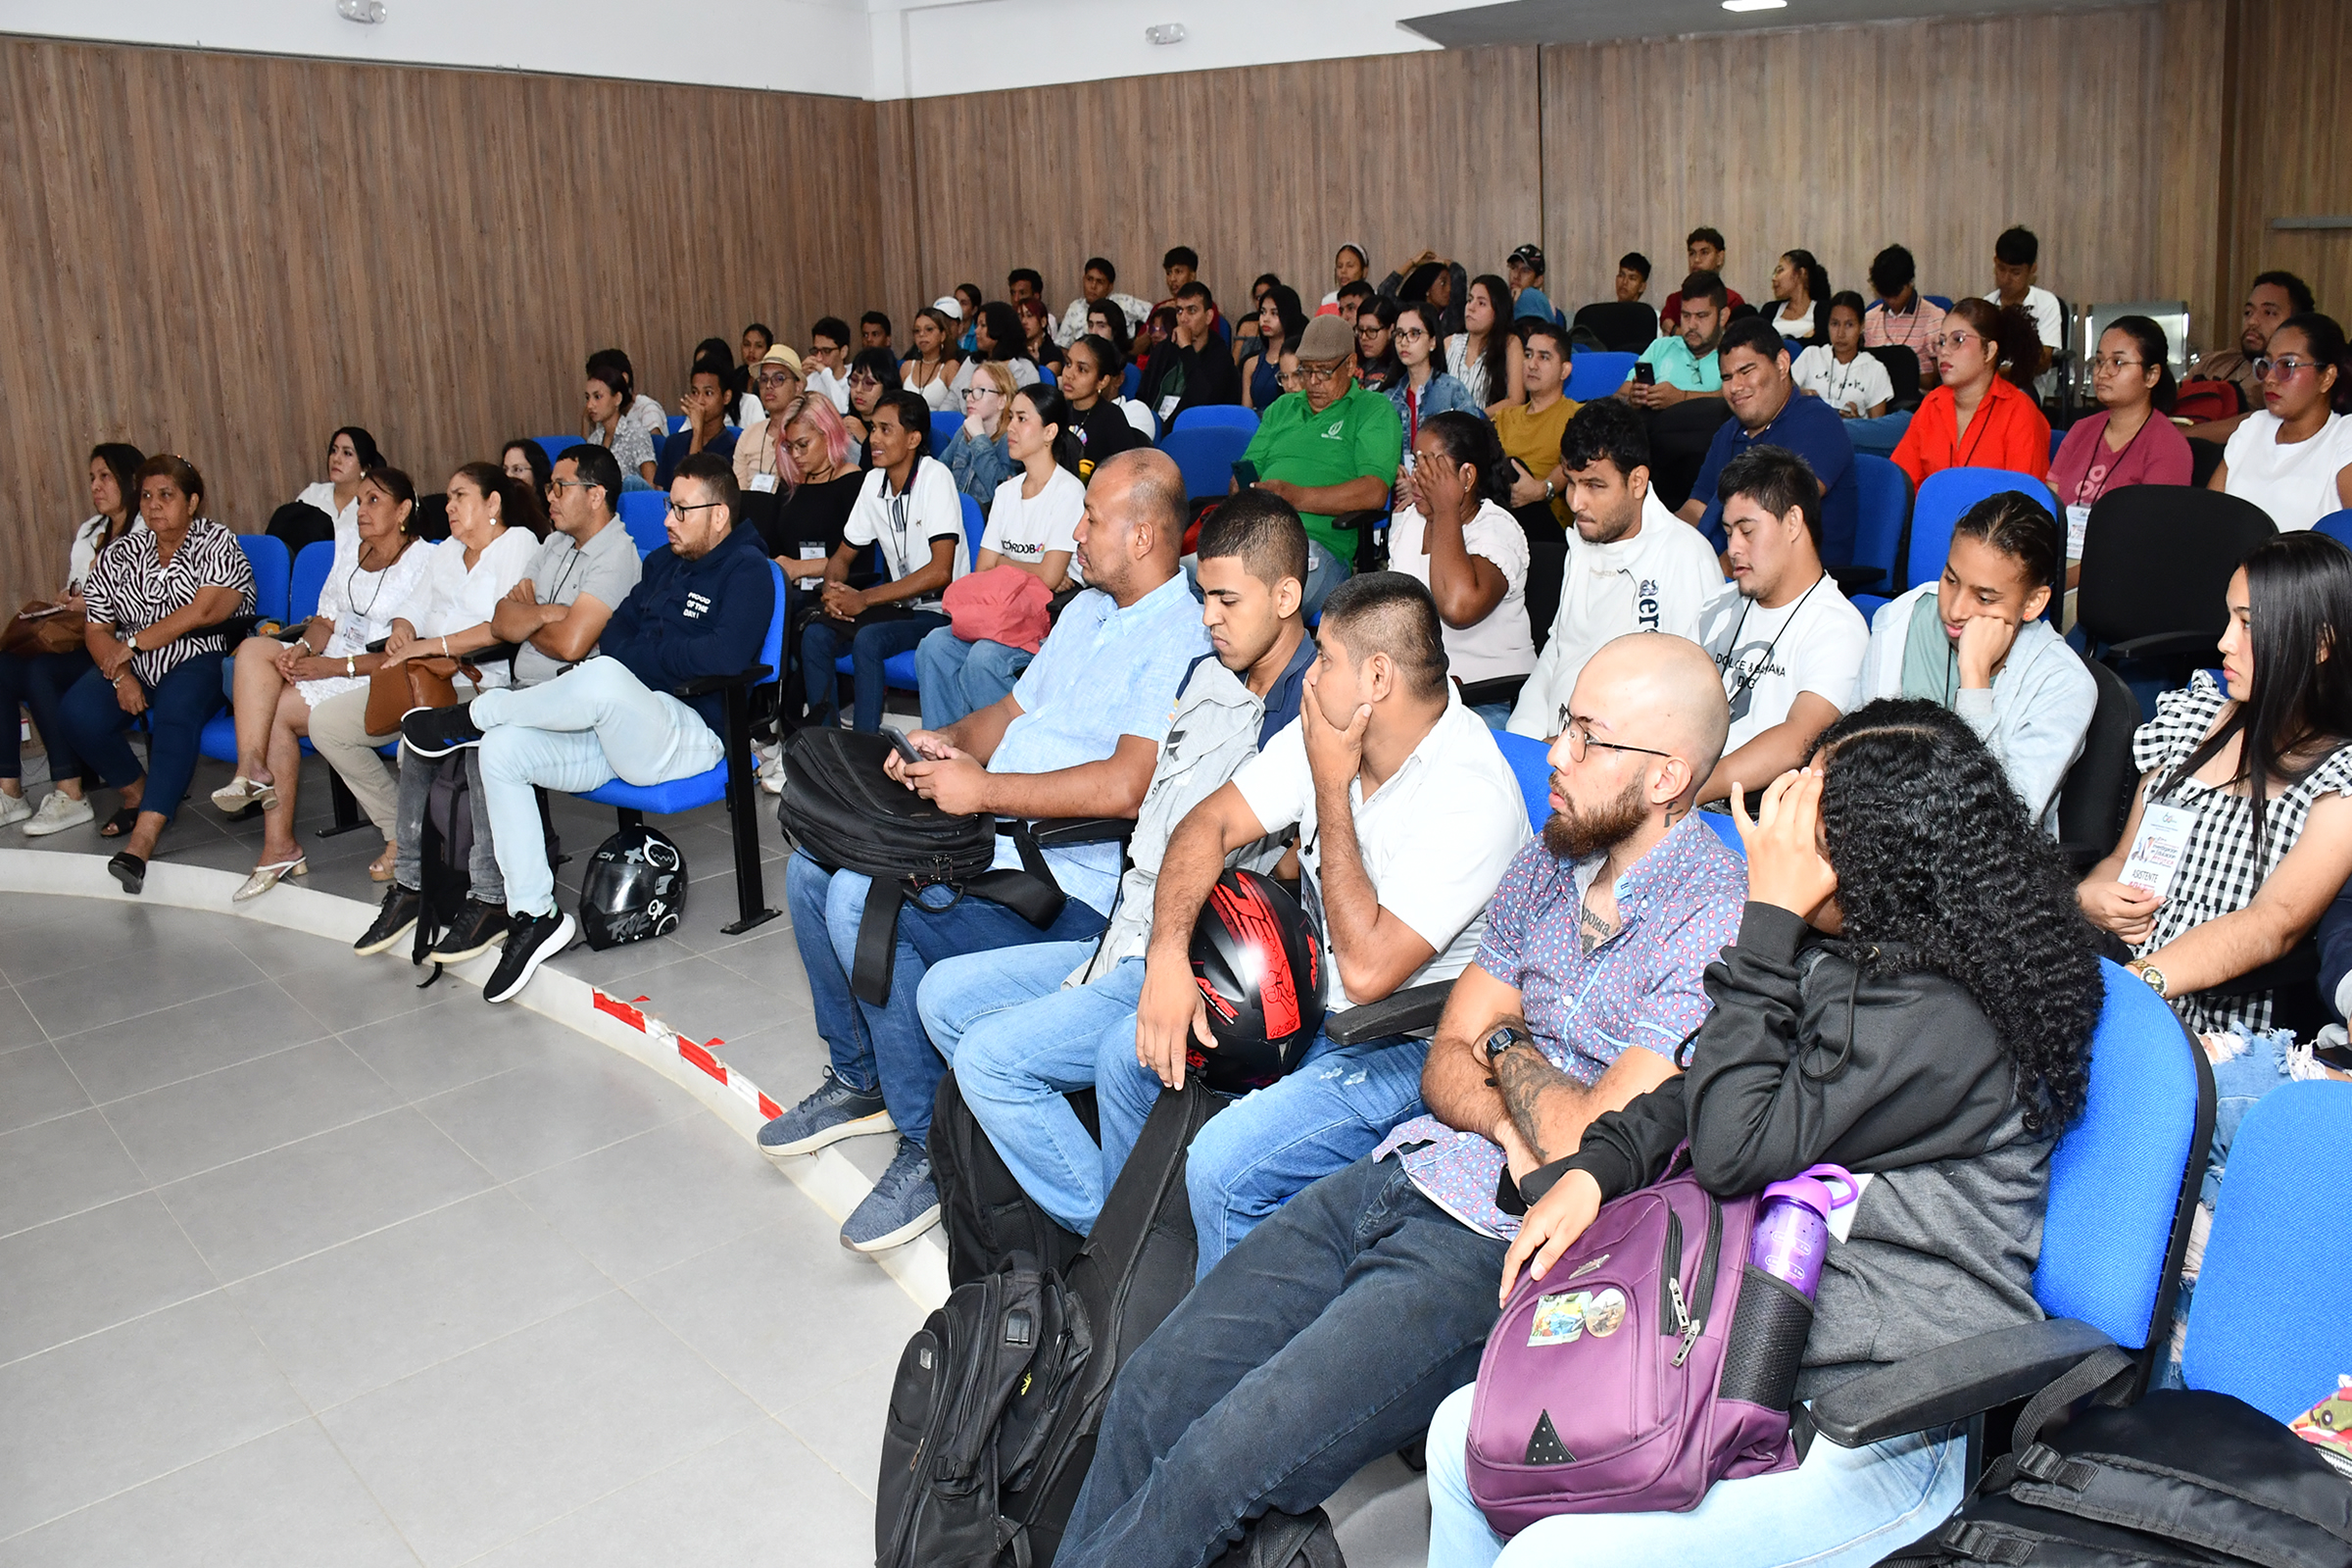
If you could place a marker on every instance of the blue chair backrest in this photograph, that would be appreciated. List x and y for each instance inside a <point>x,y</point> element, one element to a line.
<point>1941,502</point>
<point>554,446</point>
<point>1216,414</point>
<point>678,423</point>
<point>771,647</point>
<point>1884,494</point>
<point>1725,829</point>
<point>311,567</point>
<point>974,525</point>
<point>1131,380</point>
<point>2267,1323</point>
<point>273,570</point>
<point>1205,456</point>
<point>645,514</point>
<point>1943,302</point>
<point>2057,440</point>
<point>944,426</point>
<point>2120,1173</point>
<point>1593,374</point>
<point>1044,374</point>
<point>1530,761</point>
<point>2336,525</point>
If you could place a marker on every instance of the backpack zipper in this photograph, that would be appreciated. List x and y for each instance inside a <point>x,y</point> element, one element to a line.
<point>1708,1260</point>
<point>1672,1313</point>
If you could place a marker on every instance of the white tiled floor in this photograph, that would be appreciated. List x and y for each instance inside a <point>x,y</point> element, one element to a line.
<point>301,1264</point>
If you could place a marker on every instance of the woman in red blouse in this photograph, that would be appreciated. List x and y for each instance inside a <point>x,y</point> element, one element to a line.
<point>1983,415</point>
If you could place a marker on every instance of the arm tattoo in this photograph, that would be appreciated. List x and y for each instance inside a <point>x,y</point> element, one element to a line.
<point>1523,1076</point>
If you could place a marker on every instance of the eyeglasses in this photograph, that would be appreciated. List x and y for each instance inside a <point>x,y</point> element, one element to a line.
<point>679,512</point>
<point>1580,739</point>
<point>777,379</point>
<point>1320,373</point>
<point>1950,340</point>
<point>2285,366</point>
<point>1408,334</point>
<point>572,484</point>
<point>2113,361</point>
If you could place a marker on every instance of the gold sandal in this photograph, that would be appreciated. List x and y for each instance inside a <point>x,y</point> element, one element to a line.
<point>266,877</point>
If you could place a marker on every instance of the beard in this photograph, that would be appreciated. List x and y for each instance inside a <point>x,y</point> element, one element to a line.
<point>1574,833</point>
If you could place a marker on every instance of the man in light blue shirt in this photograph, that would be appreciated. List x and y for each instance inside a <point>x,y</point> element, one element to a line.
<point>1079,736</point>
<point>1684,394</point>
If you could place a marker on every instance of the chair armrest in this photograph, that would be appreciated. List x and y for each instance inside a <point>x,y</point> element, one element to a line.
<point>1501,689</point>
<point>1852,580</point>
<point>1062,832</point>
<point>1400,1013</point>
<point>708,684</point>
<point>2162,644</point>
<point>1954,1382</point>
<point>1368,517</point>
<point>495,653</point>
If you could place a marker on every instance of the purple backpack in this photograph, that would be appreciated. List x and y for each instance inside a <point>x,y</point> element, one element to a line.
<point>1649,1363</point>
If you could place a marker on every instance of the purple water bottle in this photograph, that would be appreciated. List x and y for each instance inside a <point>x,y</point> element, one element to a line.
<point>1793,1233</point>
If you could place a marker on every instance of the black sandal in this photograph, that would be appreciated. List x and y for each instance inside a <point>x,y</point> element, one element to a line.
<point>120,824</point>
<point>129,870</point>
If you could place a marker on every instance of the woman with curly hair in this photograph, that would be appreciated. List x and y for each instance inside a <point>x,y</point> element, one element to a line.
<point>1911,996</point>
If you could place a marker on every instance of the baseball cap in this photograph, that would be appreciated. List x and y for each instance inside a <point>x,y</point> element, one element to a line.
<point>1530,257</point>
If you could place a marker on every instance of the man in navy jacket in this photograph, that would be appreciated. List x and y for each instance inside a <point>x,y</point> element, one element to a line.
<point>1768,410</point>
<point>701,608</point>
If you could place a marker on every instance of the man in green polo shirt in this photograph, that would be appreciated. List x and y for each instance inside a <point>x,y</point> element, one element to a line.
<point>1329,448</point>
<point>1683,398</point>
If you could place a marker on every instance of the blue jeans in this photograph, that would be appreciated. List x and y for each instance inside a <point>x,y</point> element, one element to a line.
<point>1325,1341</point>
<point>40,681</point>
<point>959,677</point>
<point>1842,1509</point>
<point>869,646</point>
<point>177,710</point>
<point>1880,436</point>
<point>1324,573</point>
<point>885,1047</point>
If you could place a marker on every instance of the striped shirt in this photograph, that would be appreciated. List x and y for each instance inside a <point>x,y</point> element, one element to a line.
<point>132,587</point>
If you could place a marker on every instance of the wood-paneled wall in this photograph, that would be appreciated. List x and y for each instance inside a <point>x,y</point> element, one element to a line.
<point>2292,148</point>
<point>228,257</point>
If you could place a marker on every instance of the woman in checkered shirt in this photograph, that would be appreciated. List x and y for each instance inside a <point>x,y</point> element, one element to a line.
<point>2249,781</point>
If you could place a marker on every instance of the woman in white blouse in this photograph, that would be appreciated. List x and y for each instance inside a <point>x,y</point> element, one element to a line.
<point>350,452</point>
<point>380,581</point>
<point>611,404</point>
<point>1470,552</point>
<point>2292,457</point>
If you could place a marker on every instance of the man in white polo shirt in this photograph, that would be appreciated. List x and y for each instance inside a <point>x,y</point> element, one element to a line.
<point>1435,818</point>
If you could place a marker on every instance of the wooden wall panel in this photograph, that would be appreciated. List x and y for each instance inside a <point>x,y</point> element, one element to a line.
<point>228,257</point>
<point>1265,170</point>
<point>2291,140</point>
<point>1937,135</point>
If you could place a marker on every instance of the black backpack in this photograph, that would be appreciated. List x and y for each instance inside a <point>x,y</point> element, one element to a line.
<point>445,854</point>
<point>994,1412</point>
<point>986,1216</point>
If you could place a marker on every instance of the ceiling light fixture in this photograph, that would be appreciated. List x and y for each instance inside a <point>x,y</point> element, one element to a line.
<point>1755,4</point>
<point>366,11</point>
<point>1165,33</point>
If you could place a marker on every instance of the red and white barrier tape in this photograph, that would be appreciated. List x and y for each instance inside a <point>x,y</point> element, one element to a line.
<point>703,1056</point>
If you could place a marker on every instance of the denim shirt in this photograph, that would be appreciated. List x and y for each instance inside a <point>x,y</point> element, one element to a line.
<point>1445,394</point>
<point>979,466</point>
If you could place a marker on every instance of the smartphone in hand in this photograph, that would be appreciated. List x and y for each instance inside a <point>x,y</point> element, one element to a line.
<point>1245,472</point>
<point>1645,374</point>
<point>899,744</point>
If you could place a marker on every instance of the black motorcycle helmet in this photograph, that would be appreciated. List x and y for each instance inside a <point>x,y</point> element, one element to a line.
<point>1258,962</point>
<point>635,888</point>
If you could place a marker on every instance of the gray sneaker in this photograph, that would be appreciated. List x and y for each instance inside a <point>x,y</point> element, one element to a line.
<point>834,1112</point>
<point>903,1205</point>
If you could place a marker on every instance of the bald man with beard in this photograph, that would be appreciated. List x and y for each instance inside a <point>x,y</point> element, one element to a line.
<point>1328,1336</point>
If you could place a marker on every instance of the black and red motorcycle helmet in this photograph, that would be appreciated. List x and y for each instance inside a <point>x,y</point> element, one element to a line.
<point>1258,958</point>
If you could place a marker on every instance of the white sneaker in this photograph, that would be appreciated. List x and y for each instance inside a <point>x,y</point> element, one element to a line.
<point>771,776</point>
<point>14,808</point>
<point>58,812</point>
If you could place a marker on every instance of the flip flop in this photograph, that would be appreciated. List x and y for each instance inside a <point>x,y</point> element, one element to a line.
<point>119,825</point>
<point>129,870</point>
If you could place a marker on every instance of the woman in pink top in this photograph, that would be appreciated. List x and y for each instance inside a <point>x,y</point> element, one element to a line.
<point>2133,439</point>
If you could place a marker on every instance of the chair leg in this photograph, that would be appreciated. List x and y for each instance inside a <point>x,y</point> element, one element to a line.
<point>347,808</point>
<point>547,829</point>
<point>751,894</point>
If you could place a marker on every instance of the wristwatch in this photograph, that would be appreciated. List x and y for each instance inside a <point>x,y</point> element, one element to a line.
<point>2150,973</point>
<point>350,663</point>
<point>1549,492</point>
<point>1503,1038</point>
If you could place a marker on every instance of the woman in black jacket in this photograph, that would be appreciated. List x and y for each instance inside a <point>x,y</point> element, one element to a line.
<point>1911,996</point>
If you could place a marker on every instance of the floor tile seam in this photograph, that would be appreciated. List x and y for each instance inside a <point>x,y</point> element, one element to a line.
<point>668,1120</point>
<point>336,1406</point>
<point>175,1083</point>
<point>46,1037</point>
<point>189,1176</point>
<point>149,1013</point>
<point>148,1481</point>
<point>490,1185</point>
<point>214,1288</point>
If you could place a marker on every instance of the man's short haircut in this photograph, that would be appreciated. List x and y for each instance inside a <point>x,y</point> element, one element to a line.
<point>1097,264</point>
<point>1181,255</point>
<point>2017,247</point>
<point>1891,271</point>
<point>1605,428</point>
<point>832,327</point>
<point>1197,290</point>
<point>717,477</point>
<point>1263,531</point>
<point>1706,286</point>
<point>1532,327</point>
<point>913,415</point>
<point>596,466</point>
<point>1634,261</point>
<point>1357,291</point>
<point>2298,293</point>
<point>1025,275</point>
<point>1752,332</point>
<point>1703,235</point>
<point>875,319</point>
<point>1157,490</point>
<point>1777,480</point>
<point>708,363</point>
<point>1389,613</point>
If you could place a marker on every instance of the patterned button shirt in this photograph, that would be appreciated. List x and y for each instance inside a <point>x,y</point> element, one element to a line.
<point>1678,909</point>
<point>132,588</point>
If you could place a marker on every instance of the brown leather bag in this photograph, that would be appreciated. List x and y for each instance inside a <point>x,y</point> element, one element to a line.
<point>58,633</point>
<point>395,689</point>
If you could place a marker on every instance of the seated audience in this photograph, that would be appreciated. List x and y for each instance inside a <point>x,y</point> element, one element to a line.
<point>1032,528</point>
<point>873,332</point>
<point>1244,337</point>
<point>2262,764</point>
<point>1455,538</point>
<point>1983,415</point>
<point>2293,455</point>
<point>1109,323</point>
<point>1901,316</point>
<point>1531,431</point>
<point>701,608</point>
<point>2129,440</point>
<point>2274,297</point>
<point>759,445</point>
<point>1280,321</point>
<point>1522,270</point>
<point>1484,356</point>
<point>1633,278</point>
<point>801,526</point>
<point>931,369</point>
<point>1192,368</point>
<point>997,340</point>
<point>495,526</point>
<point>1949,1093</point>
<point>1976,641</point>
<point>1837,372</point>
<point>350,452</point>
<point>609,426</point>
<point>1376,364</point>
<point>1428,278</point>
<point>827,361</point>
<point>1766,411</point>
<point>1330,1335</point>
<point>154,600</point>
<point>1679,382</point>
<point>1331,450</point>
<point>1181,268</point>
<point>1018,1037</point>
<point>1101,418</point>
<point>1078,737</point>
<point>873,376</point>
<point>1098,285</point>
<point>1037,334</point>
<point>644,412</point>
<point>1633,565</point>
<point>977,455</point>
<point>1787,642</point>
<point>742,387</point>
<point>705,406</point>
<point>1348,265</point>
<point>36,680</point>
<point>1801,285</point>
<point>1704,252</point>
<point>583,572</point>
<point>1352,298</point>
<point>908,505</point>
<point>1422,388</point>
<point>968,310</point>
<point>2016,264</point>
<point>524,461</point>
<point>316,683</point>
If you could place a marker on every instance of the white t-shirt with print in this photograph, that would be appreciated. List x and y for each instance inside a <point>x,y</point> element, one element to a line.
<point>904,524</point>
<point>2294,484</point>
<point>1502,644</point>
<point>1860,385</point>
<point>1658,581</point>
<point>1025,529</point>
<point>1768,658</point>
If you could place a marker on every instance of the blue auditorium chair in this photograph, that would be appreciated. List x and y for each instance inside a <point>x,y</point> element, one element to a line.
<point>1217,416</point>
<point>1596,374</point>
<point>1942,500</point>
<point>645,514</point>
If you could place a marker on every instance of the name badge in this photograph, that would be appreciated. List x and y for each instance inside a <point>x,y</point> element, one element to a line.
<point>1167,406</point>
<point>2077,520</point>
<point>763,482</point>
<point>2156,852</point>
